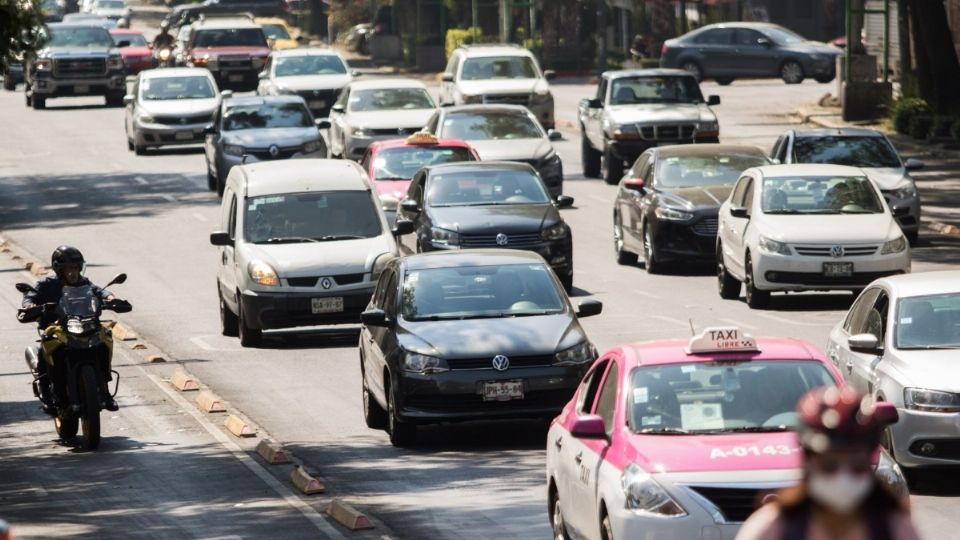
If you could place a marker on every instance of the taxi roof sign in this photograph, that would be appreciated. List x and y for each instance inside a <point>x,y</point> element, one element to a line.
<point>721,339</point>
<point>422,137</point>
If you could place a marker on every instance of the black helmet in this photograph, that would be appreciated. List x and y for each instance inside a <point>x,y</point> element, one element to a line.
<point>63,256</point>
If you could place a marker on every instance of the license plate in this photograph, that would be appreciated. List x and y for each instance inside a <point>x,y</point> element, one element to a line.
<point>333,304</point>
<point>317,104</point>
<point>502,390</point>
<point>81,89</point>
<point>844,269</point>
<point>184,135</point>
<point>236,77</point>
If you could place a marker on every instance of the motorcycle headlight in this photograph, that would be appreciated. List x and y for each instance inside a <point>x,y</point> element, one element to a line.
<point>381,263</point>
<point>443,237</point>
<point>361,132</point>
<point>468,99</point>
<point>889,474</point>
<point>772,246</point>
<point>115,62</point>
<point>672,214</point>
<point>74,326</point>
<point>312,146</point>
<point>894,246</point>
<point>920,399</point>
<point>626,131</point>
<point>43,64</point>
<point>421,363</point>
<point>908,191</point>
<point>233,150</point>
<point>579,354</point>
<point>644,495</point>
<point>263,273</point>
<point>554,232</point>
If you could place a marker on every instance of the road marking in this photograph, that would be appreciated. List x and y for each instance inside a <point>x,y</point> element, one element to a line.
<point>788,321</point>
<point>168,197</point>
<point>598,198</point>
<point>200,342</point>
<point>200,217</point>
<point>664,318</point>
<point>140,180</point>
<point>647,294</point>
<point>741,324</point>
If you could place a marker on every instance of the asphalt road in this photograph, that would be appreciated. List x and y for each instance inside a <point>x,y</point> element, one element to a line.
<point>66,176</point>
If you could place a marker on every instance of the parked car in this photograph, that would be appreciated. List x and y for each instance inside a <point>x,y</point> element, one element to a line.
<point>316,74</point>
<point>667,203</point>
<point>52,11</point>
<point>358,38</point>
<point>869,150</point>
<point>502,74</point>
<point>503,133</point>
<point>12,74</point>
<point>279,34</point>
<point>469,335</point>
<point>134,49</point>
<point>634,110</point>
<point>805,227</point>
<point>89,18</point>
<point>109,9</point>
<point>234,49</point>
<point>169,107</point>
<point>728,51</point>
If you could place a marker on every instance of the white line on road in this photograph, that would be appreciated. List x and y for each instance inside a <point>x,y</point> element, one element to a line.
<point>168,197</point>
<point>199,341</point>
<point>647,294</point>
<point>738,323</point>
<point>788,321</point>
<point>200,217</point>
<point>679,322</point>
<point>140,180</point>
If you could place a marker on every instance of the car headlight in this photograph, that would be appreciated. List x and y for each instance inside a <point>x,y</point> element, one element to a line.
<point>894,246</point>
<point>672,214</point>
<point>626,131</point>
<point>551,160</point>
<point>43,64</point>
<point>709,127</point>
<point>284,90</point>
<point>361,132</point>
<point>467,98</point>
<point>920,399</point>
<point>258,61</point>
<point>772,246</point>
<point>444,237</point>
<point>233,150</point>
<point>644,495</point>
<point>579,354</point>
<point>114,62</point>
<point>421,363</point>
<point>378,265</point>
<point>146,119</point>
<point>312,146</point>
<point>888,473</point>
<point>908,191</point>
<point>554,232</point>
<point>263,273</point>
<point>542,95</point>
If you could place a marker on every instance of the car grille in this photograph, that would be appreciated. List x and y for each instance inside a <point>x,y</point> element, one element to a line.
<point>311,281</point>
<point>80,67</point>
<point>263,154</point>
<point>736,504</point>
<point>814,279</point>
<point>519,241</point>
<point>515,362</point>
<point>668,132</point>
<point>706,227</point>
<point>182,120</point>
<point>235,62</point>
<point>327,96</point>
<point>454,403</point>
<point>399,132</point>
<point>825,251</point>
<point>507,99</point>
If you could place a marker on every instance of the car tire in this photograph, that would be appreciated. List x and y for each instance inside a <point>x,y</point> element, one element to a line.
<point>694,69</point>
<point>606,528</point>
<point>791,72</point>
<point>724,81</point>
<point>650,263</point>
<point>229,322</point>
<point>567,281</point>
<point>373,414</point>
<point>38,102</point>
<point>113,101</point>
<point>590,158</point>
<point>130,145</point>
<point>221,184</point>
<point>139,149</point>
<point>624,257</point>
<point>728,285</point>
<point>613,167</point>
<point>402,434</point>
<point>825,80</point>
<point>557,523</point>
<point>756,298</point>
<point>249,337</point>
<point>9,85</point>
<point>913,237</point>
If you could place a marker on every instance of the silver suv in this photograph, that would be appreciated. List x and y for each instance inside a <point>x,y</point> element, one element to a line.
<point>498,74</point>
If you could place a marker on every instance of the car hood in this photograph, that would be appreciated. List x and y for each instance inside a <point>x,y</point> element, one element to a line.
<point>728,452</point>
<point>814,47</point>
<point>479,338</point>
<point>392,188</point>
<point>179,106</point>
<point>654,113</point>
<point>512,149</point>
<point>136,51</point>
<point>498,86</point>
<point>829,228</point>
<point>696,197</point>
<point>227,51</point>
<point>268,136</point>
<point>390,119</point>
<point>507,219</point>
<point>300,83</point>
<point>887,178</point>
<point>77,52</point>
<point>323,258</point>
<point>933,369</point>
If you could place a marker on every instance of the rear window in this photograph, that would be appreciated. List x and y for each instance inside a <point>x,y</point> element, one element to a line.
<point>403,163</point>
<point>292,66</point>
<point>230,37</point>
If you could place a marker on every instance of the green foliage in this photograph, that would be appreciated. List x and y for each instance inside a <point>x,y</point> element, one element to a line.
<point>649,63</point>
<point>903,111</point>
<point>920,126</point>
<point>345,17</point>
<point>458,36</point>
<point>21,24</point>
<point>941,126</point>
<point>534,45</point>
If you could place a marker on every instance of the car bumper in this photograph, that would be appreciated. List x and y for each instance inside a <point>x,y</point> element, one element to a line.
<point>694,242</point>
<point>48,87</point>
<point>558,253</point>
<point>918,428</point>
<point>290,309</point>
<point>239,80</point>
<point>906,212</point>
<point>162,135</point>
<point>355,147</point>
<point>629,524</point>
<point>774,272</point>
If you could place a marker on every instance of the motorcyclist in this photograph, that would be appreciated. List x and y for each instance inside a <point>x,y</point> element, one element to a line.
<point>163,40</point>
<point>68,265</point>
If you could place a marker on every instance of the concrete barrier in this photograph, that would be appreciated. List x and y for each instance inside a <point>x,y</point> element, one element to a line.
<point>307,484</point>
<point>155,359</point>
<point>271,452</point>
<point>122,333</point>
<point>210,403</point>
<point>239,427</point>
<point>348,516</point>
<point>183,382</point>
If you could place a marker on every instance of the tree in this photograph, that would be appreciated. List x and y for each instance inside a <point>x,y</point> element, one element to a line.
<point>21,25</point>
<point>937,67</point>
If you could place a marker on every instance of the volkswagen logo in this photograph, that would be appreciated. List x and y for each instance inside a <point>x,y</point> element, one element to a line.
<point>274,151</point>
<point>501,363</point>
<point>326,283</point>
<point>183,120</point>
<point>836,251</point>
<point>502,239</point>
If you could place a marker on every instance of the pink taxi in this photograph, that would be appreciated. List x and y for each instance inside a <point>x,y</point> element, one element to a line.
<point>683,440</point>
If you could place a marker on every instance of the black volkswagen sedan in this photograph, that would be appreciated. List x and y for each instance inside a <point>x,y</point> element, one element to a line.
<point>667,203</point>
<point>469,335</point>
<point>488,205</point>
<point>727,51</point>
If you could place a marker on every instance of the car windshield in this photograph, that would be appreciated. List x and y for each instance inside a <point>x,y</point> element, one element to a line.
<point>485,188</point>
<point>490,125</point>
<point>403,163</point>
<point>276,31</point>
<point>311,217</point>
<point>782,36</point>
<point>161,88</point>
<point>80,36</point>
<point>388,99</point>
<point>230,37</point>
<point>136,40</point>
<point>499,67</point>
<point>928,322</point>
<point>79,301</point>
<point>704,170</point>
<point>669,89</point>
<point>852,151</point>
<point>820,195</point>
<point>267,115</point>
<point>472,292</point>
<point>292,66</point>
<point>718,397</point>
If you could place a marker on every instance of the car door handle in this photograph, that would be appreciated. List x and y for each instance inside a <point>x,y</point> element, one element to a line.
<point>578,458</point>
<point>850,366</point>
<point>834,358</point>
<point>558,443</point>
<point>223,257</point>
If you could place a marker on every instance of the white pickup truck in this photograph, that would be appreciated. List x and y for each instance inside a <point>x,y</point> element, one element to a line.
<point>637,109</point>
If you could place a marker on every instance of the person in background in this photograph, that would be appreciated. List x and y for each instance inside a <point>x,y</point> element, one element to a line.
<point>638,50</point>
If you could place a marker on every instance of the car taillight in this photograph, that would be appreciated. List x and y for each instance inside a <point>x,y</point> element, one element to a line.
<point>664,49</point>
<point>285,7</point>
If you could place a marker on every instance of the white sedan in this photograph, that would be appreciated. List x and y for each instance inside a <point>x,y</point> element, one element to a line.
<point>805,227</point>
<point>315,74</point>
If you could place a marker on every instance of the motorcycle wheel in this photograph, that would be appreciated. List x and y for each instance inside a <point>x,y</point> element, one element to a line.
<point>66,427</point>
<point>90,422</point>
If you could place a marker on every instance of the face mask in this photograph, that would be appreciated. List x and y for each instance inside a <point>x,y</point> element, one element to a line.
<point>841,491</point>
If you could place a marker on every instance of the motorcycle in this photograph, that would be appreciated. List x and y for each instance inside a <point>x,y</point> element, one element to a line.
<point>78,338</point>
<point>163,57</point>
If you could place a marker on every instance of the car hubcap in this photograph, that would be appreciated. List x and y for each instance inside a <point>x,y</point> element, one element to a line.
<point>791,72</point>
<point>558,522</point>
<point>693,69</point>
<point>617,235</point>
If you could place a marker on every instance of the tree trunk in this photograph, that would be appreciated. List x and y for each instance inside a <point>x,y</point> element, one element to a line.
<point>903,31</point>
<point>938,70</point>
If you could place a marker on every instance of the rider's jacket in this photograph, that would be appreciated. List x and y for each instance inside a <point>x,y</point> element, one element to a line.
<point>49,290</point>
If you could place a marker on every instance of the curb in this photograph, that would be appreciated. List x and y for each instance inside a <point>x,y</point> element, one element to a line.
<point>208,402</point>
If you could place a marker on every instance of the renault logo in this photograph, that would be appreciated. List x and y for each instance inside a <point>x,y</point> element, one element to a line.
<point>274,151</point>
<point>501,363</point>
<point>502,239</point>
<point>836,252</point>
<point>326,283</point>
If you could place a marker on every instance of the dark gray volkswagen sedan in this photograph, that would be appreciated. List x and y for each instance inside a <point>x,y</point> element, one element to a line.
<point>469,335</point>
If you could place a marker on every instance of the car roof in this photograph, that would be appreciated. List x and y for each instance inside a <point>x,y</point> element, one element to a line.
<point>402,143</point>
<point>496,49</point>
<point>654,72</point>
<point>239,21</point>
<point>485,107</point>
<point>299,175</point>
<point>746,24</point>
<point>470,257</point>
<point>270,20</point>
<point>125,31</point>
<point>673,351</point>
<point>175,72</point>
<point>79,23</point>
<point>257,100</point>
<point>842,132</point>
<point>923,283</point>
<point>468,166</point>
<point>685,150</point>
<point>306,51</point>
<point>807,169</point>
<point>383,83</point>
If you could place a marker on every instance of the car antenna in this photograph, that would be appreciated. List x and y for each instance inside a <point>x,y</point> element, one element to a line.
<point>693,332</point>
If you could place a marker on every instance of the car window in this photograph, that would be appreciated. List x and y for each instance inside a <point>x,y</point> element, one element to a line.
<point>275,31</point>
<point>136,40</point>
<point>928,322</point>
<point>310,216</point>
<point>589,387</point>
<point>748,38</point>
<point>638,166</point>
<point>820,195</point>
<point>717,36</point>
<point>229,37</point>
<point>416,189</point>
<point>390,296</point>
<point>290,114</point>
<point>343,97</point>
<point>655,89</point>
<point>853,324</point>
<point>453,64</point>
<point>490,125</point>
<point>499,67</point>
<point>736,198</point>
<point>602,90</point>
<point>704,170</point>
<point>852,151</point>
<point>232,217</point>
<point>775,153</point>
<point>876,320</point>
<point>293,66</point>
<point>389,99</point>
<point>80,36</point>
<point>166,88</point>
<point>607,400</point>
<point>403,163</point>
<point>782,36</point>
<point>379,292</point>
<point>486,188</point>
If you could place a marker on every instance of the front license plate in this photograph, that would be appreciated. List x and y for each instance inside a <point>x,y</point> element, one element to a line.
<point>317,104</point>
<point>236,77</point>
<point>333,304</point>
<point>502,390</point>
<point>81,89</point>
<point>184,135</point>
<point>844,269</point>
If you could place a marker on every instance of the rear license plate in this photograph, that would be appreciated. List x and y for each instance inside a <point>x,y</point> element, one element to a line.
<point>317,104</point>
<point>236,77</point>
<point>844,269</point>
<point>81,89</point>
<point>502,390</point>
<point>184,135</point>
<point>333,304</point>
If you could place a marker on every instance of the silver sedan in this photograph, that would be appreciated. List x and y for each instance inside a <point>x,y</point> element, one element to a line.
<point>170,107</point>
<point>900,342</point>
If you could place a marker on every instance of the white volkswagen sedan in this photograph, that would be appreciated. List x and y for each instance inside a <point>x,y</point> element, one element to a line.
<point>805,227</point>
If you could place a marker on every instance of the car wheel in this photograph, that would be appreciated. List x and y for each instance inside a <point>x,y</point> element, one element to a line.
<point>8,84</point>
<point>38,102</point>
<point>824,80</point>
<point>791,72</point>
<point>624,257</point>
<point>401,434</point>
<point>221,184</point>
<point>650,262</point>
<point>728,285</point>
<point>613,166</point>
<point>114,100</point>
<point>249,337</point>
<point>139,149</point>
<point>694,69</point>
<point>130,144</point>
<point>567,281</point>
<point>373,414</point>
<point>589,157</point>
<point>229,322</point>
<point>756,298</point>
<point>724,81</point>
<point>913,237</point>
<point>606,529</point>
<point>556,519</point>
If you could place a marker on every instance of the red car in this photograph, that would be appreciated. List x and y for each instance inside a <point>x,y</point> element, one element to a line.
<point>392,164</point>
<point>137,55</point>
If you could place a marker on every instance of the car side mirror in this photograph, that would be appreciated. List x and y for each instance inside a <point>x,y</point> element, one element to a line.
<point>594,104</point>
<point>774,161</point>
<point>410,205</point>
<point>589,308</point>
<point>117,280</point>
<point>635,184</point>
<point>221,239</point>
<point>355,73</point>
<point>913,164</point>
<point>764,42</point>
<point>864,344</point>
<point>564,201</point>
<point>128,99</point>
<point>549,74</point>
<point>402,227</point>
<point>886,413</point>
<point>739,212</point>
<point>210,129</point>
<point>25,288</point>
<point>447,77</point>
<point>713,100</point>
<point>322,123</point>
<point>263,75</point>
<point>588,427</point>
<point>554,135</point>
<point>338,108</point>
<point>374,317</point>
<point>123,43</point>
<point>226,94</point>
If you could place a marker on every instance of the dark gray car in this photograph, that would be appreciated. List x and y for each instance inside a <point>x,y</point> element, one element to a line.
<point>725,52</point>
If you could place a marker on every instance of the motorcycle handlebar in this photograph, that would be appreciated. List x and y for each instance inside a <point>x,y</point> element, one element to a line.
<point>118,306</point>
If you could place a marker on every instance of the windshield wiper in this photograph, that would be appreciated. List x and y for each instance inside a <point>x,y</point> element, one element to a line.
<point>664,431</point>
<point>286,240</point>
<point>781,211</point>
<point>751,429</point>
<point>331,237</point>
<point>930,348</point>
